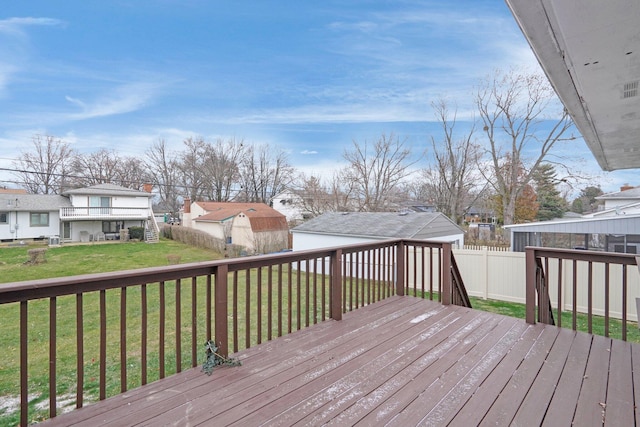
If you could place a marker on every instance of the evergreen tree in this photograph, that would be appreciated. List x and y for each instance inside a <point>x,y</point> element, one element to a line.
<point>550,203</point>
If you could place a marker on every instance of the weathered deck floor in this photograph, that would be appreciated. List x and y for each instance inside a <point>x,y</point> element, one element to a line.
<point>403,361</point>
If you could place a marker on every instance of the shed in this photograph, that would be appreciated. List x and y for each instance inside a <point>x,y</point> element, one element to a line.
<point>346,228</point>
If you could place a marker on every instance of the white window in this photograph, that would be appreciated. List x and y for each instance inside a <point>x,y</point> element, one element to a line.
<point>39,219</point>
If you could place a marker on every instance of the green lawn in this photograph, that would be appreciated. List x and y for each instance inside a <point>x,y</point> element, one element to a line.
<point>598,326</point>
<point>95,258</point>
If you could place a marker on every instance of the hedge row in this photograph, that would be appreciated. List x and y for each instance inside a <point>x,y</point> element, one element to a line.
<point>198,239</point>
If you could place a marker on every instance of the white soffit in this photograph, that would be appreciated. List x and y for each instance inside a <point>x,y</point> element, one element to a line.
<point>590,51</point>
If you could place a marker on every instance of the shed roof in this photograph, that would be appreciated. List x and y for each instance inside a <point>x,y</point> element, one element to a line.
<point>410,225</point>
<point>621,224</point>
<point>108,190</point>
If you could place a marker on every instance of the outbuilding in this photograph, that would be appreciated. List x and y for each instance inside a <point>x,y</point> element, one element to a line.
<point>346,228</point>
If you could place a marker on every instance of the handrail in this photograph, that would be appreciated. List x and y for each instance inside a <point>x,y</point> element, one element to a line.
<point>565,279</point>
<point>545,310</point>
<point>460,296</point>
<point>152,313</point>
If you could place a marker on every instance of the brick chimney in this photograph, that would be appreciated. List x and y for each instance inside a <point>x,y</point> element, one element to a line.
<point>147,187</point>
<point>186,213</point>
<point>626,187</point>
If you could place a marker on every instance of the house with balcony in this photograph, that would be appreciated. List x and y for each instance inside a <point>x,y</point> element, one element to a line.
<point>98,212</point>
<point>255,227</point>
<point>102,211</point>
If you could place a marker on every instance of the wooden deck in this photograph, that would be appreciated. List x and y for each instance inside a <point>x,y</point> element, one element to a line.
<point>403,361</point>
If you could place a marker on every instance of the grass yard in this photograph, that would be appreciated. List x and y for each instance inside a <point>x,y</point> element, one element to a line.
<point>519,310</point>
<point>95,258</point>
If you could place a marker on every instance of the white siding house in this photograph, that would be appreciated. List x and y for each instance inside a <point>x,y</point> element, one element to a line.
<point>103,210</point>
<point>97,212</point>
<point>30,216</point>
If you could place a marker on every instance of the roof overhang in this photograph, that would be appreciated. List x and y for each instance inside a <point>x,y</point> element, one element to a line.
<point>590,51</point>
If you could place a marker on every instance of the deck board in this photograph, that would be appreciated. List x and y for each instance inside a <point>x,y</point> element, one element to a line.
<point>593,394</point>
<point>567,391</point>
<point>402,361</point>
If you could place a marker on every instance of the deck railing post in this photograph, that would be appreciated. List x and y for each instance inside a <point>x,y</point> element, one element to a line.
<point>221,326</point>
<point>400,268</point>
<point>336,285</point>
<point>446,274</point>
<point>530,283</point>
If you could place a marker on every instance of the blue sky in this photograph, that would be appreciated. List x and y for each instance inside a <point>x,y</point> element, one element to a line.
<point>308,77</point>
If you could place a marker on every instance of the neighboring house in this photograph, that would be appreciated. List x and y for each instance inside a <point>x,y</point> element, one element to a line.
<point>98,212</point>
<point>254,226</point>
<point>290,205</point>
<point>623,202</point>
<point>345,228</point>
<point>614,229</point>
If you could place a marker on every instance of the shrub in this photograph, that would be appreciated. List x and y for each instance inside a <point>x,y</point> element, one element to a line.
<point>136,233</point>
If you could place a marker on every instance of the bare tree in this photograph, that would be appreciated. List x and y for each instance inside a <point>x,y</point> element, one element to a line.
<point>376,170</point>
<point>517,113</point>
<point>101,167</point>
<point>191,166</point>
<point>265,173</point>
<point>313,196</point>
<point>452,178</point>
<point>132,173</point>
<point>221,167</point>
<point>45,169</point>
<point>164,174</point>
<point>342,190</point>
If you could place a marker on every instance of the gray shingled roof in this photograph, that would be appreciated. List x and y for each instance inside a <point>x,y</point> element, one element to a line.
<point>412,225</point>
<point>32,202</point>
<point>108,190</point>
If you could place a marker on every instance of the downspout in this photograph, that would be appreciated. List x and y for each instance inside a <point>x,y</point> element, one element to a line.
<point>15,227</point>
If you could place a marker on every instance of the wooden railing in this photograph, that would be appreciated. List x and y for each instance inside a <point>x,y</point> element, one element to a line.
<point>566,279</point>
<point>102,334</point>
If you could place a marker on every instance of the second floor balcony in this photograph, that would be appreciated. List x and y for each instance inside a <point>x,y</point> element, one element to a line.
<point>104,213</point>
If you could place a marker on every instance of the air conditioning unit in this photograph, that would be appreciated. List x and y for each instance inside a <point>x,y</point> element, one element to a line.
<point>54,240</point>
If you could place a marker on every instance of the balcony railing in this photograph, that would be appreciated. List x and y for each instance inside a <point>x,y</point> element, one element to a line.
<point>106,333</point>
<point>580,282</point>
<point>100,213</point>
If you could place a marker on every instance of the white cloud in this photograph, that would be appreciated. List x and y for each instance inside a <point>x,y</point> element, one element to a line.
<point>15,26</point>
<point>123,99</point>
